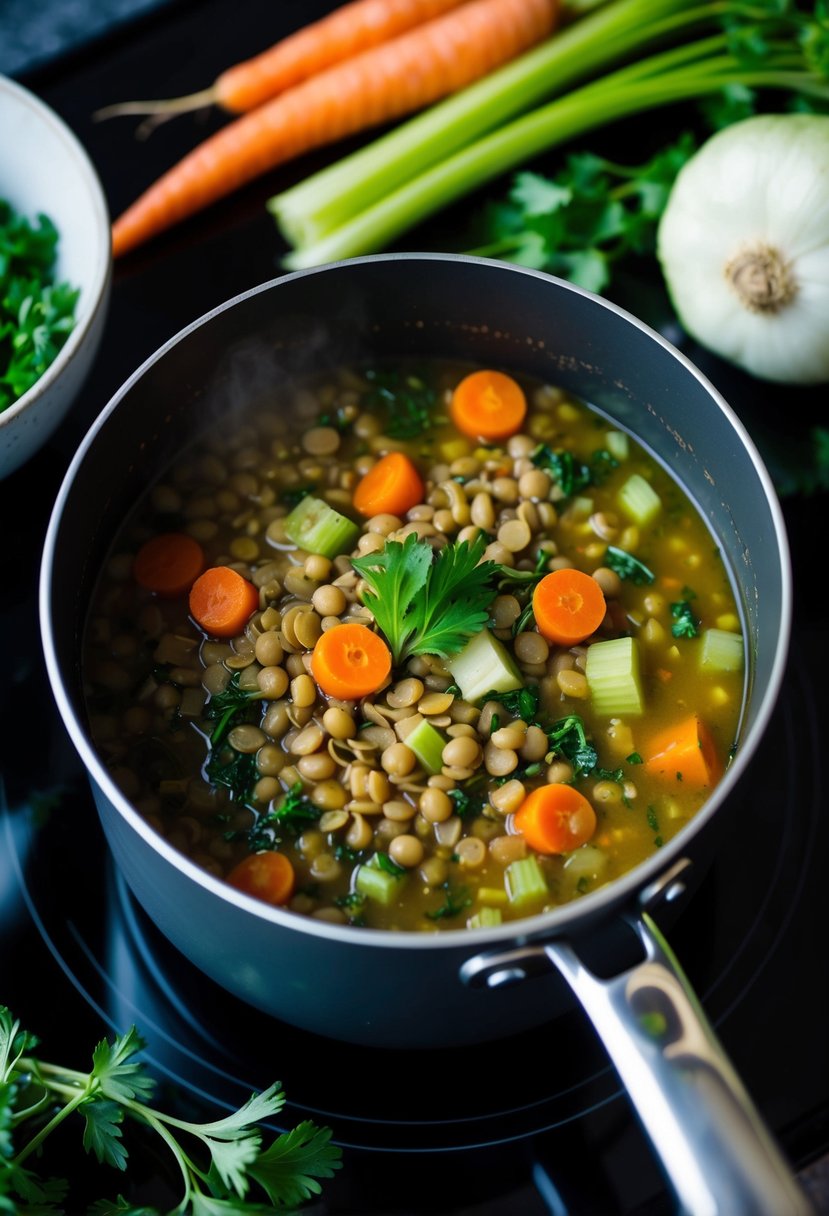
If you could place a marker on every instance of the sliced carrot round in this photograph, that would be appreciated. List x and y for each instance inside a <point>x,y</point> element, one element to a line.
<point>392,486</point>
<point>268,876</point>
<point>350,661</point>
<point>222,602</point>
<point>488,405</point>
<point>168,564</point>
<point>568,606</point>
<point>555,818</point>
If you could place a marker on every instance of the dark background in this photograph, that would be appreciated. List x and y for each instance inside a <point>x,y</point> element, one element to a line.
<point>82,54</point>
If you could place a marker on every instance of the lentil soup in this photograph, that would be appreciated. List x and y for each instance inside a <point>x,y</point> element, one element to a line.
<point>448,649</point>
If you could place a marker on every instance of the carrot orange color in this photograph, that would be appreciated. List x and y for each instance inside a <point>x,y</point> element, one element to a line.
<point>684,752</point>
<point>221,601</point>
<point>268,876</point>
<point>488,405</point>
<point>392,486</point>
<point>568,606</point>
<point>352,28</point>
<point>168,564</point>
<point>555,818</point>
<point>350,661</point>
<point>374,87</point>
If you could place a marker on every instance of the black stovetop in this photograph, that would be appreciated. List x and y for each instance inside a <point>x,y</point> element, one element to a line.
<point>78,959</point>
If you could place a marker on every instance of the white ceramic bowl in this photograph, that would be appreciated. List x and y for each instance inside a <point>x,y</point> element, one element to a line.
<point>44,168</point>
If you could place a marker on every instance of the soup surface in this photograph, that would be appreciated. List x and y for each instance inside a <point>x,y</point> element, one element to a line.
<point>415,648</point>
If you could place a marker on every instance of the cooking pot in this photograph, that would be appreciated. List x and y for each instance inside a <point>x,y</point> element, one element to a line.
<point>428,990</point>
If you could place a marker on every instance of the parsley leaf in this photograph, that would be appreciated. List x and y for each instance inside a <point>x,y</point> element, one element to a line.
<point>685,624</point>
<point>406,400</point>
<point>36,313</point>
<point>628,567</point>
<point>568,737</point>
<point>521,702</point>
<point>427,603</point>
<point>36,1097</point>
<point>580,222</point>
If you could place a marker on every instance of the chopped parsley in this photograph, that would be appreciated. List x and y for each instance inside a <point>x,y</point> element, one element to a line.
<point>454,904</point>
<point>628,567</point>
<point>294,812</point>
<point>521,702</point>
<point>405,400</point>
<point>569,739</point>
<point>684,623</point>
<point>36,313</point>
<point>232,707</point>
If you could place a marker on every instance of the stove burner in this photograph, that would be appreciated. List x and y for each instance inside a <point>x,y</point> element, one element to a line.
<point>523,1103</point>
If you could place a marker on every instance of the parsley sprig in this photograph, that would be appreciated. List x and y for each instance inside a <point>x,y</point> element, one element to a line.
<point>428,603</point>
<point>217,1161</point>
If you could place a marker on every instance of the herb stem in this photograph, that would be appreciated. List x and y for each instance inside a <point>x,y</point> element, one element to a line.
<point>56,1120</point>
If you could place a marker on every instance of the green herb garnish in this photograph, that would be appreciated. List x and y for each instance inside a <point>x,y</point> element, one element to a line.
<point>36,313</point>
<point>232,707</point>
<point>569,474</point>
<point>569,739</point>
<point>427,603</point>
<point>294,812</point>
<point>406,401</point>
<point>37,1097</point>
<point>454,903</point>
<point>628,567</point>
<point>520,703</point>
<point>685,624</point>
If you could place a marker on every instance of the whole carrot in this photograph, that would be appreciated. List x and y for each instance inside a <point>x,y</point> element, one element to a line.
<point>354,27</point>
<point>374,87</point>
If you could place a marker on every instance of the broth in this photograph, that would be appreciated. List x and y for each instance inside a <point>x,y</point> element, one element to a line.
<point>407,808</point>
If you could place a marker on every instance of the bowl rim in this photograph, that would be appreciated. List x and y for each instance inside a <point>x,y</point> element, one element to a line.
<point>102,268</point>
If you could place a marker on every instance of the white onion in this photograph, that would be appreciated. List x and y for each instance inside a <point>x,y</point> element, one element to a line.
<point>744,246</point>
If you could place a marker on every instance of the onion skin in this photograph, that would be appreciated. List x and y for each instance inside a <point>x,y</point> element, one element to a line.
<point>744,246</point>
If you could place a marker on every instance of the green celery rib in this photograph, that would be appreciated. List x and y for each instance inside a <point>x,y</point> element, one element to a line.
<point>326,200</point>
<point>565,118</point>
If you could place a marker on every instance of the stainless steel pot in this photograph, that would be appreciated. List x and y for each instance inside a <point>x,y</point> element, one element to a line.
<point>411,990</point>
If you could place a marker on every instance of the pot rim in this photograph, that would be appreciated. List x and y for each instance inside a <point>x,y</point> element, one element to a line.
<point>555,922</point>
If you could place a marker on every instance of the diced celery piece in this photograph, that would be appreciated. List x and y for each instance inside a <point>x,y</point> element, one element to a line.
<point>485,919</point>
<point>618,445</point>
<point>586,862</point>
<point>315,526</point>
<point>427,743</point>
<point>377,884</point>
<point>721,650</point>
<point>639,500</point>
<point>614,679</point>
<point>484,665</point>
<point>525,882</point>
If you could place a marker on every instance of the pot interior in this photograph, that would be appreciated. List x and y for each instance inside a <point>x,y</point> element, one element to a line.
<point>425,306</point>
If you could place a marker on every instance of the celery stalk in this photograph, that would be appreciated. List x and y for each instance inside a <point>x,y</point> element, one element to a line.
<point>377,884</point>
<point>323,202</point>
<point>526,883</point>
<point>582,110</point>
<point>484,665</point>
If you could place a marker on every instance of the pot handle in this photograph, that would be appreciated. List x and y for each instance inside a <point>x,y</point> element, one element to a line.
<point>713,1146</point>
